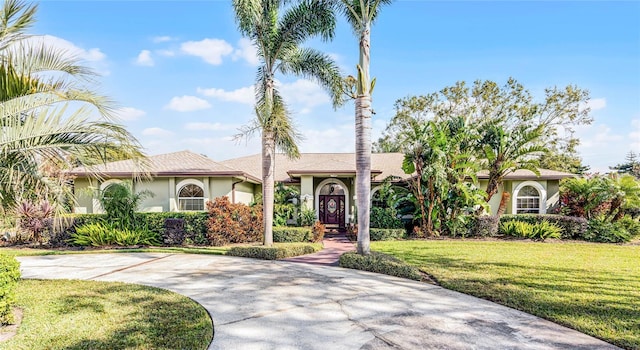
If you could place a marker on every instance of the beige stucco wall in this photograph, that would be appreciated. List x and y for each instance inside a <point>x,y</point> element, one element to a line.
<point>84,199</point>
<point>160,199</point>
<point>244,192</point>
<point>220,187</point>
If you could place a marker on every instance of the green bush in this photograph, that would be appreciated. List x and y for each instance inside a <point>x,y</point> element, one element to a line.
<point>572,227</point>
<point>386,234</point>
<point>291,234</point>
<point>482,226</point>
<point>601,230</point>
<point>380,263</point>
<point>384,218</point>
<point>99,235</point>
<point>9,276</point>
<point>536,231</point>
<point>307,217</point>
<point>273,253</point>
<point>631,225</point>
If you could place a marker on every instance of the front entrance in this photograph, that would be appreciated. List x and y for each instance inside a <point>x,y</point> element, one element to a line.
<point>331,210</point>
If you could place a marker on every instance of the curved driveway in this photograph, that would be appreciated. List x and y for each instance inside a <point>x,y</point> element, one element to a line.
<point>259,304</point>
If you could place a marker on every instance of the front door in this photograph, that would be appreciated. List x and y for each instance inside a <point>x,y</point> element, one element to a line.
<point>331,211</point>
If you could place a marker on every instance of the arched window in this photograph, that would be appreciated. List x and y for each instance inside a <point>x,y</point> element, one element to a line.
<point>331,188</point>
<point>191,198</point>
<point>528,201</point>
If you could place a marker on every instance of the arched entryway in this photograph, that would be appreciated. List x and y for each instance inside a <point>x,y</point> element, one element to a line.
<point>332,204</point>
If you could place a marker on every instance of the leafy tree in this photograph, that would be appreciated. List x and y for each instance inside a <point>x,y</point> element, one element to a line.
<point>361,14</point>
<point>278,33</point>
<point>41,130</point>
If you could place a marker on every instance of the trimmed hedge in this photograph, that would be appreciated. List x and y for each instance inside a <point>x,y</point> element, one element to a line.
<point>9,276</point>
<point>386,234</point>
<point>380,263</point>
<point>572,227</point>
<point>292,234</point>
<point>384,218</point>
<point>272,253</point>
<point>482,226</point>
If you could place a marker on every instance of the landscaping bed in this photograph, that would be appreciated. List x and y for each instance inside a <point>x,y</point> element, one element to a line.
<point>593,288</point>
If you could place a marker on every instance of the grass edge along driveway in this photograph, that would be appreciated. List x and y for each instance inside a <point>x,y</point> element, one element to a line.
<point>593,288</point>
<point>73,314</point>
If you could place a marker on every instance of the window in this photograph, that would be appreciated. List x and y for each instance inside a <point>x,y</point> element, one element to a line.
<point>528,201</point>
<point>191,198</point>
<point>331,189</point>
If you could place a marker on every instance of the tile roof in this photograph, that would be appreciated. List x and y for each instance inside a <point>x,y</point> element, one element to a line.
<point>382,165</point>
<point>186,163</point>
<point>183,163</point>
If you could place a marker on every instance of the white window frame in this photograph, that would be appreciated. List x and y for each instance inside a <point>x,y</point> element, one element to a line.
<point>186,182</point>
<point>542,205</point>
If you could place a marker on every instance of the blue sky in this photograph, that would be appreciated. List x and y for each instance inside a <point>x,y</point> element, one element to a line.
<point>182,74</point>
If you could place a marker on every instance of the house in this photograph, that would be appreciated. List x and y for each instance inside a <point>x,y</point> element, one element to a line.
<point>184,181</point>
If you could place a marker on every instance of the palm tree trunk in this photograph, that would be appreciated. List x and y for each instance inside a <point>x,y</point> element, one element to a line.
<point>363,143</point>
<point>268,182</point>
<point>363,170</point>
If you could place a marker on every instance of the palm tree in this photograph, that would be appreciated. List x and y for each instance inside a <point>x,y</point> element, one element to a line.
<point>361,14</point>
<point>278,33</point>
<point>40,129</point>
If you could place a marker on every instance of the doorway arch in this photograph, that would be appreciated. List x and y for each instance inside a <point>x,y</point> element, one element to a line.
<point>345,205</point>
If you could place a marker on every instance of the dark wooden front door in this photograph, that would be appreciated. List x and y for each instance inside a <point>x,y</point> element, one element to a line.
<point>331,211</point>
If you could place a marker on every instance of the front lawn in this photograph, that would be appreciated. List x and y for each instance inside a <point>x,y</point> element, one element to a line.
<point>593,288</point>
<point>64,314</point>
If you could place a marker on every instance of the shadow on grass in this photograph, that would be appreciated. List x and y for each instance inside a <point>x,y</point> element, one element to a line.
<point>151,321</point>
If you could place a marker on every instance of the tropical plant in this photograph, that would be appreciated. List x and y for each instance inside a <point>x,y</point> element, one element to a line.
<point>278,31</point>
<point>120,204</point>
<point>361,14</point>
<point>42,132</point>
<point>35,219</point>
<point>233,222</point>
<point>286,205</point>
<point>99,235</point>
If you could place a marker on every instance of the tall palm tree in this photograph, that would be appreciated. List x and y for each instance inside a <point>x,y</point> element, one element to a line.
<point>361,14</point>
<point>278,30</point>
<point>40,129</point>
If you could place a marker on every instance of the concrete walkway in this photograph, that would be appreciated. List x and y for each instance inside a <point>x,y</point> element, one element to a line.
<point>334,246</point>
<point>258,304</point>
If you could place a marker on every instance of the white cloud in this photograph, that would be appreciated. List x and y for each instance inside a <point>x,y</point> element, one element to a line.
<point>244,95</point>
<point>130,113</point>
<point>90,55</point>
<point>210,50</point>
<point>145,59</point>
<point>339,138</point>
<point>247,51</point>
<point>595,104</point>
<point>161,39</point>
<point>156,132</point>
<point>187,104</point>
<point>304,93</point>
<point>209,126</point>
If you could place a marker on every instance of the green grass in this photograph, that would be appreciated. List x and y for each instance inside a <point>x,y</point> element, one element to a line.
<point>64,314</point>
<point>593,288</point>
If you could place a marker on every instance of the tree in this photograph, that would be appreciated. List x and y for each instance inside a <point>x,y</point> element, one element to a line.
<point>361,14</point>
<point>41,130</point>
<point>631,166</point>
<point>278,36</point>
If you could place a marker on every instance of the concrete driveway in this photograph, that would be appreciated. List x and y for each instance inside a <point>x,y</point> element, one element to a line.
<point>258,304</point>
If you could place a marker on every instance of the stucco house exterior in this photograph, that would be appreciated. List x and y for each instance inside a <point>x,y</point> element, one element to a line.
<point>184,181</point>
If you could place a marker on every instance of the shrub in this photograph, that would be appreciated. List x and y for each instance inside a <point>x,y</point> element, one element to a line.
<point>307,217</point>
<point>601,230</point>
<point>382,234</point>
<point>544,230</point>
<point>99,235</point>
<point>173,232</point>
<point>318,232</point>
<point>515,228</point>
<point>291,234</point>
<point>572,227</point>
<point>631,225</point>
<point>35,220</point>
<point>233,222</point>
<point>9,276</point>
<point>380,263</point>
<point>273,253</point>
<point>384,218</point>
<point>120,204</point>
<point>482,226</point>
<point>195,224</point>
